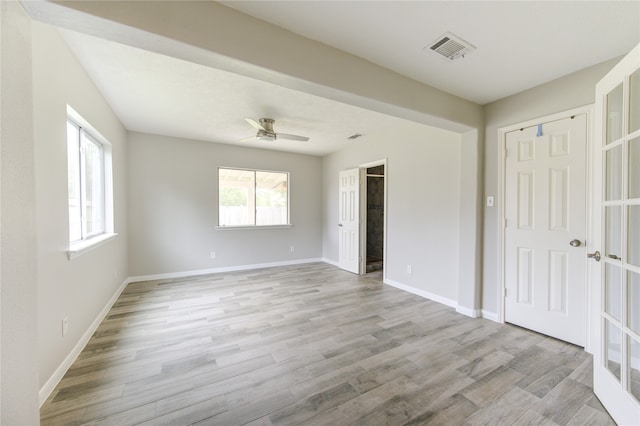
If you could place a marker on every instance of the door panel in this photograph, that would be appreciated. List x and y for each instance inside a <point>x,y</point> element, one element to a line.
<point>348,221</point>
<point>616,213</point>
<point>545,210</point>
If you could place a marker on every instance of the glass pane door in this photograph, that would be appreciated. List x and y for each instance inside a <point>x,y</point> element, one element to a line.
<point>617,357</point>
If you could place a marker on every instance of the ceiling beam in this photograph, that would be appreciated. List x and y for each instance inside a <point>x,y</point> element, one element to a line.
<point>211,34</point>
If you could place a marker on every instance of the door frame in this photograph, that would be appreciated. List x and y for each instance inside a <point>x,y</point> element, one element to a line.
<point>363,217</point>
<point>501,206</point>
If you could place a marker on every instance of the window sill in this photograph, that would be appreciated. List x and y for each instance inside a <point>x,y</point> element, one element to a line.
<point>80,248</point>
<point>236,228</point>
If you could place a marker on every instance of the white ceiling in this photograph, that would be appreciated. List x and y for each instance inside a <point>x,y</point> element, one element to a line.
<point>519,45</point>
<point>157,94</point>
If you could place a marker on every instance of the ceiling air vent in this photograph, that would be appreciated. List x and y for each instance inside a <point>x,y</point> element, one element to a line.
<point>451,46</point>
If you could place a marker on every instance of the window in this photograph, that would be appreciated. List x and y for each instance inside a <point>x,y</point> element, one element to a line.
<point>90,187</point>
<point>252,198</point>
<point>85,158</point>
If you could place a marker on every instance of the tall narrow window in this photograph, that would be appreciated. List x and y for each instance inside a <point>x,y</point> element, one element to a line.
<point>252,198</point>
<point>86,184</point>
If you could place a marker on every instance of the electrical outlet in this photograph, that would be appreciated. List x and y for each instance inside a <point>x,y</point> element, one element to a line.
<point>409,269</point>
<point>65,326</point>
<point>292,249</point>
<point>213,255</point>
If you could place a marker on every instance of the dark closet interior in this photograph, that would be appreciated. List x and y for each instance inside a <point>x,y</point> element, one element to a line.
<point>375,218</point>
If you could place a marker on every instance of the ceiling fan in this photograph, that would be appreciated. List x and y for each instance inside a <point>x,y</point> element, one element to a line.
<point>266,132</point>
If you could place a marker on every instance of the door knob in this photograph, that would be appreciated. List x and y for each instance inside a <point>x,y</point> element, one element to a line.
<point>340,224</point>
<point>595,255</point>
<point>575,243</point>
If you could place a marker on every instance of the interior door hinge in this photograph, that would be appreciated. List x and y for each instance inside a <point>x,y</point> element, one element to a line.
<point>506,221</point>
<point>504,292</point>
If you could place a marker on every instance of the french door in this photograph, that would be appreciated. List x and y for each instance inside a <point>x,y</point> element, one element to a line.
<point>615,248</point>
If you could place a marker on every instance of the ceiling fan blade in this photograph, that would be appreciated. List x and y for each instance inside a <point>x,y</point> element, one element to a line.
<point>292,137</point>
<point>255,124</point>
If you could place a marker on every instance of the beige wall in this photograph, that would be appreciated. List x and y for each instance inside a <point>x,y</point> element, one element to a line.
<point>79,288</point>
<point>470,223</point>
<point>18,319</point>
<point>572,91</point>
<point>423,206</point>
<point>173,207</point>
<point>211,34</point>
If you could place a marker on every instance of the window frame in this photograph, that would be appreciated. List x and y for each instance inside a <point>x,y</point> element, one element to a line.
<point>85,137</point>
<point>90,240</point>
<point>255,192</point>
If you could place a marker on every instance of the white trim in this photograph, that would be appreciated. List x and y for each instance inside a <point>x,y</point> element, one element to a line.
<point>492,316</point>
<point>82,247</point>
<point>473,313</point>
<point>502,134</point>
<point>79,120</point>
<point>382,161</point>
<point>242,227</point>
<point>59,373</point>
<point>330,262</point>
<point>423,293</point>
<point>362,221</point>
<point>170,275</point>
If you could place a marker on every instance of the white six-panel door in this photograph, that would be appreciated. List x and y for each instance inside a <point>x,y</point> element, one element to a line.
<point>615,249</point>
<point>546,227</point>
<point>348,221</point>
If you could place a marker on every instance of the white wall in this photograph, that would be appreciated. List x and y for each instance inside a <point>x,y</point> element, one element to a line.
<point>572,91</point>
<point>173,207</point>
<point>423,188</point>
<point>18,360</point>
<point>80,288</point>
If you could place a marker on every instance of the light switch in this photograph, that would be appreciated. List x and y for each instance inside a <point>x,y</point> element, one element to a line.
<point>490,201</point>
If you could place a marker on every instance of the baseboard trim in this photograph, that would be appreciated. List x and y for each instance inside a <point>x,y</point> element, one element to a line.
<point>59,373</point>
<point>330,262</point>
<point>490,316</point>
<point>196,272</point>
<point>473,313</point>
<point>422,293</point>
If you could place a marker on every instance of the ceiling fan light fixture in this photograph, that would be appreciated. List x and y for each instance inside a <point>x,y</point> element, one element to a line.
<point>266,132</point>
<point>266,136</point>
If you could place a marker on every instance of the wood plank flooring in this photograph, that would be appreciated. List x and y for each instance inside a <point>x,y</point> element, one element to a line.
<point>314,345</point>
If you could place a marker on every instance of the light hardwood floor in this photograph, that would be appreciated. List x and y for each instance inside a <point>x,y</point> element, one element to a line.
<point>311,344</point>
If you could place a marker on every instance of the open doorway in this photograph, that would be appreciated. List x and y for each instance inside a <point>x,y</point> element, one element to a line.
<point>374,218</point>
